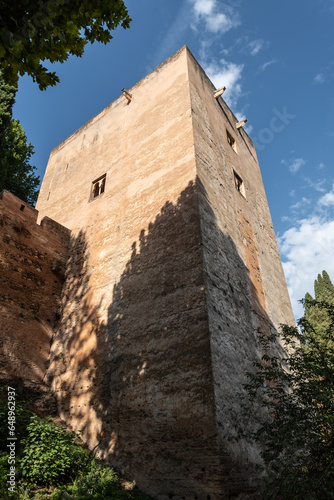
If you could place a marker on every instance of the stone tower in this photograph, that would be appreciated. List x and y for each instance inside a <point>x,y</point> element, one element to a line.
<point>173,268</point>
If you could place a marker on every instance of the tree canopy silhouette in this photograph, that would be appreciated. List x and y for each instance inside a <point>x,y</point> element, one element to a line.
<point>16,173</point>
<point>34,31</point>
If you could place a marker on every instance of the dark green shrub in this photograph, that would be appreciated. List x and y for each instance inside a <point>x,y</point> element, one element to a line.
<point>22,419</point>
<point>99,483</point>
<point>3,471</point>
<point>102,483</point>
<point>5,494</point>
<point>49,455</point>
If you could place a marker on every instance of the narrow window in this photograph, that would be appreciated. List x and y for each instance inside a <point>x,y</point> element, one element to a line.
<point>102,185</point>
<point>98,187</point>
<point>22,207</point>
<point>96,190</point>
<point>239,184</point>
<point>231,141</point>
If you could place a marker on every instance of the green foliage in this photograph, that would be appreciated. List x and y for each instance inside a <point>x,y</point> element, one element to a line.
<point>22,419</point>
<point>7,100</point>
<point>49,455</point>
<point>3,473</point>
<point>316,318</point>
<point>297,397</point>
<point>16,173</point>
<point>99,483</point>
<point>48,458</point>
<point>33,31</point>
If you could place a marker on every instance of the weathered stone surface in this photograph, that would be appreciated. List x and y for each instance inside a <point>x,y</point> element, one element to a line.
<point>32,266</point>
<point>246,289</point>
<point>171,271</point>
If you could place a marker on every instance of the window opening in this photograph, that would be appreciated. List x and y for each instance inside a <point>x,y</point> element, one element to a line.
<point>98,187</point>
<point>102,185</point>
<point>239,184</point>
<point>96,190</point>
<point>22,207</point>
<point>231,141</point>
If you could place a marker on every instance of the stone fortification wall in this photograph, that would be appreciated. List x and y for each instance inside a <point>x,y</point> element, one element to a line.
<point>32,263</point>
<point>246,288</point>
<point>131,361</point>
<point>172,270</point>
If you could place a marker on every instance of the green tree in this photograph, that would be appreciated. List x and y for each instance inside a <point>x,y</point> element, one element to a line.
<point>296,392</point>
<point>7,99</point>
<point>34,31</point>
<point>16,173</point>
<point>316,315</point>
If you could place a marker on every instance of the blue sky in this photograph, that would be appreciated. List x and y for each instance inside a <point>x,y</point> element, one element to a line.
<point>276,60</point>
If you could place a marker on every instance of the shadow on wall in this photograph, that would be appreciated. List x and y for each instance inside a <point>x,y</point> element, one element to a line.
<point>32,261</point>
<point>141,385</point>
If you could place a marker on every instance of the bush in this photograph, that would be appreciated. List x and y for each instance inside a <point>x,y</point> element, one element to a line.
<point>49,455</point>
<point>100,483</point>
<point>3,472</point>
<point>22,419</point>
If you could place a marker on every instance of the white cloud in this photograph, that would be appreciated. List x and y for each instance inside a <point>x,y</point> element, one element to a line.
<point>217,17</point>
<point>267,64</point>
<point>204,7</point>
<point>301,205</point>
<point>317,185</point>
<point>294,165</point>
<point>210,20</point>
<point>320,166</point>
<point>220,22</point>
<point>328,199</point>
<point>306,250</point>
<point>249,128</point>
<point>255,46</point>
<point>226,74</point>
<point>319,78</point>
<point>204,49</point>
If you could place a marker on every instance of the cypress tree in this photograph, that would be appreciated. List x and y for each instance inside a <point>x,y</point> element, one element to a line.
<point>7,100</point>
<point>327,288</point>
<point>318,317</point>
<point>16,173</point>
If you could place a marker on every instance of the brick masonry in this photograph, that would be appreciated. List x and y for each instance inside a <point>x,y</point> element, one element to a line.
<point>32,263</point>
<point>171,272</point>
<point>244,279</point>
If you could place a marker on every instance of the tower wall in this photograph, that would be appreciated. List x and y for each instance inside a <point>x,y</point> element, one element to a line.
<point>171,272</point>
<point>246,289</point>
<point>131,360</point>
<point>32,265</point>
